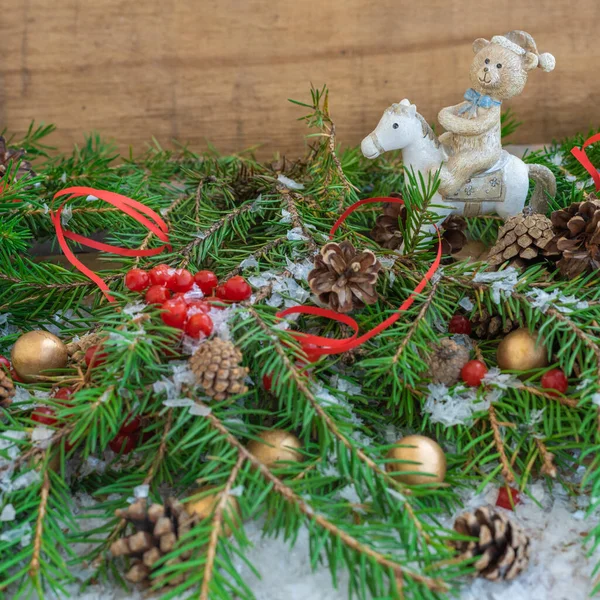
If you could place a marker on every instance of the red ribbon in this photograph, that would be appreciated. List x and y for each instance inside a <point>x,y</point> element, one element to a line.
<point>582,157</point>
<point>130,207</point>
<point>329,346</point>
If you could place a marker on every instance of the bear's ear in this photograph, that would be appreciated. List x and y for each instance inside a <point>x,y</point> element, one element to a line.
<point>530,61</point>
<point>479,44</point>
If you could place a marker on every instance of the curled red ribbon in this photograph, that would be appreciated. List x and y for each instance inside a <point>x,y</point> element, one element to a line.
<point>582,157</point>
<point>330,346</point>
<point>136,210</point>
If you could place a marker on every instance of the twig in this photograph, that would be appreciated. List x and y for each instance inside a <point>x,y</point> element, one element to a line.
<point>161,449</point>
<point>187,250</point>
<point>415,325</point>
<point>290,496</point>
<point>290,201</point>
<point>262,251</point>
<point>548,468</point>
<point>349,187</point>
<point>34,566</point>
<point>506,472</point>
<point>216,527</point>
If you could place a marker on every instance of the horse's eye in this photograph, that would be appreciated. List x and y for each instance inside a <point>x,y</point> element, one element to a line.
<point>499,65</point>
<point>395,125</point>
<point>487,61</point>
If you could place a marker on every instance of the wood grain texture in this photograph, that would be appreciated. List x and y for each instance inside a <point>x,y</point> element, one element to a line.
<point>222,70</point>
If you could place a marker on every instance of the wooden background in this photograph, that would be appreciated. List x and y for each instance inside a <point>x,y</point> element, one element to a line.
<point>222,70</point>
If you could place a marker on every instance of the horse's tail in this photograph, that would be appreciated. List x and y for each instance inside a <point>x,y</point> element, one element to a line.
<point>545,185</point>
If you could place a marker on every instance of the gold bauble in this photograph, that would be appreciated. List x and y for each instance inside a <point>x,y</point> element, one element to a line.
<point>426,461</point>
<point>35,352</point>
<point>276,445</point>
<point>522,350</point>
<point>205,506</point>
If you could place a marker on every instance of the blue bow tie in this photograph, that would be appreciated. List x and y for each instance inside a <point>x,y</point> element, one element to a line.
<point>475,99</point>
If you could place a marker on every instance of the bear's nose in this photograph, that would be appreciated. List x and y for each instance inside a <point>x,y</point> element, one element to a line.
<point>485,69</point>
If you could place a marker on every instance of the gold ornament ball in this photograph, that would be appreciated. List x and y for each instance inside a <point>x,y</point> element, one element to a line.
<point>425,461</point>
<point>522,350</point>
<point>205,506</point>
<point>38,351</point>
<point>276,445</point>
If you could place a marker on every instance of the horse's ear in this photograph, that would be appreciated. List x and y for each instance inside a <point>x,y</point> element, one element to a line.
<point>405,102</point>
<point>480,44</point>
<point>412,110</point>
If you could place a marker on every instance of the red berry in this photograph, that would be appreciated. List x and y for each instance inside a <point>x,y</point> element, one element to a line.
<point>4,362</point>
<point>137,280</point>
<point>157,294</point>
<point>267,381</point>
<point>182,281</point>
<point>198,325</point>
<point>130,426</point>
<point>123,444</point>
<point>197,306</point>
<point>555,379</point>
<point>459,324</point>
<point>207,281</point>
<point>44,415</point>
<point>64,394</point>
<point>162,275</point>
<point>15,377</point>
<point>504,500</point>
<point>236,289</point>
<point>215,302</point>
<point>94,357</point>
<point>174,312</point>
<point>473,372</point>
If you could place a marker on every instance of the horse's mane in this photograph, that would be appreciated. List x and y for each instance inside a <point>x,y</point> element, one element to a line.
<point>427,131</point>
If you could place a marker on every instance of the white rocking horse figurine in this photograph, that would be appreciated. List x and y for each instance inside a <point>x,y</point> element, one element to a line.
<point>501,189</point>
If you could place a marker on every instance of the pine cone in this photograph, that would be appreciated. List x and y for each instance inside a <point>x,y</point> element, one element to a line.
<point>446,362</point>
<point>7,389</point>
<point>78,348</point>
<point>453,234</point>
<point>577,237</point>
<point>10,154</point>
<point>157,529</point>
<point>387,230</point>
<point>502,546</point>
<point>487,327</point>
<point>344,278</point>
<point>522,239</point>
<point>216,365</point>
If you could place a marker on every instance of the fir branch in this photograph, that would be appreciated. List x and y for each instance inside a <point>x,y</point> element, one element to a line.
<point>39,527</point>
<point>506,470</point>
<point>217,526</point>
<point>548,468</point>
<point>290,199</point>
<point>290,496</point>
<point>162,448</point>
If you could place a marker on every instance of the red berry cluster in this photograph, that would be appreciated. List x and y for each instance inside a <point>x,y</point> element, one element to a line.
<point>170,288</point>
<point>127,437</point>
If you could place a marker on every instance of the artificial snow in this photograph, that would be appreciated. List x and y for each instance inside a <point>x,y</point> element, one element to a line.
<point>8,513</point>
<point>502,283</point>
<point>66,215</point>
<point>296,235</point>
<point>565,304</point>
<point>453,407</point>
<point>141,491</point>
<point>289,183</point>
<point>466,303</point>
<point>200,410</point>
<point>41,436</point>
<point>286,216</point>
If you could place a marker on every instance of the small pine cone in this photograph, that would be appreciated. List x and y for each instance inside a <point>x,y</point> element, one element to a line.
<point>78,348</point>
<point>486,326</point>
<point>387,225</point>
<point>522,240</point>
<point>502,547</point>
<point>344,278</point>
<point>216,365</point>
<point>577,237</point>
<point>157,530</point>
<point>7,389</point>
<point>446,362</point>
<point>453,234</point>
<point>8,155</point>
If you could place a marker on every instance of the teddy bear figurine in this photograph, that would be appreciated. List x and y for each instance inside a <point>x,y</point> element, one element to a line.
<point>472,140</point>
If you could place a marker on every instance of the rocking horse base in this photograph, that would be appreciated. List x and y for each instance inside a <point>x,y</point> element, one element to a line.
<point>487,186</point>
